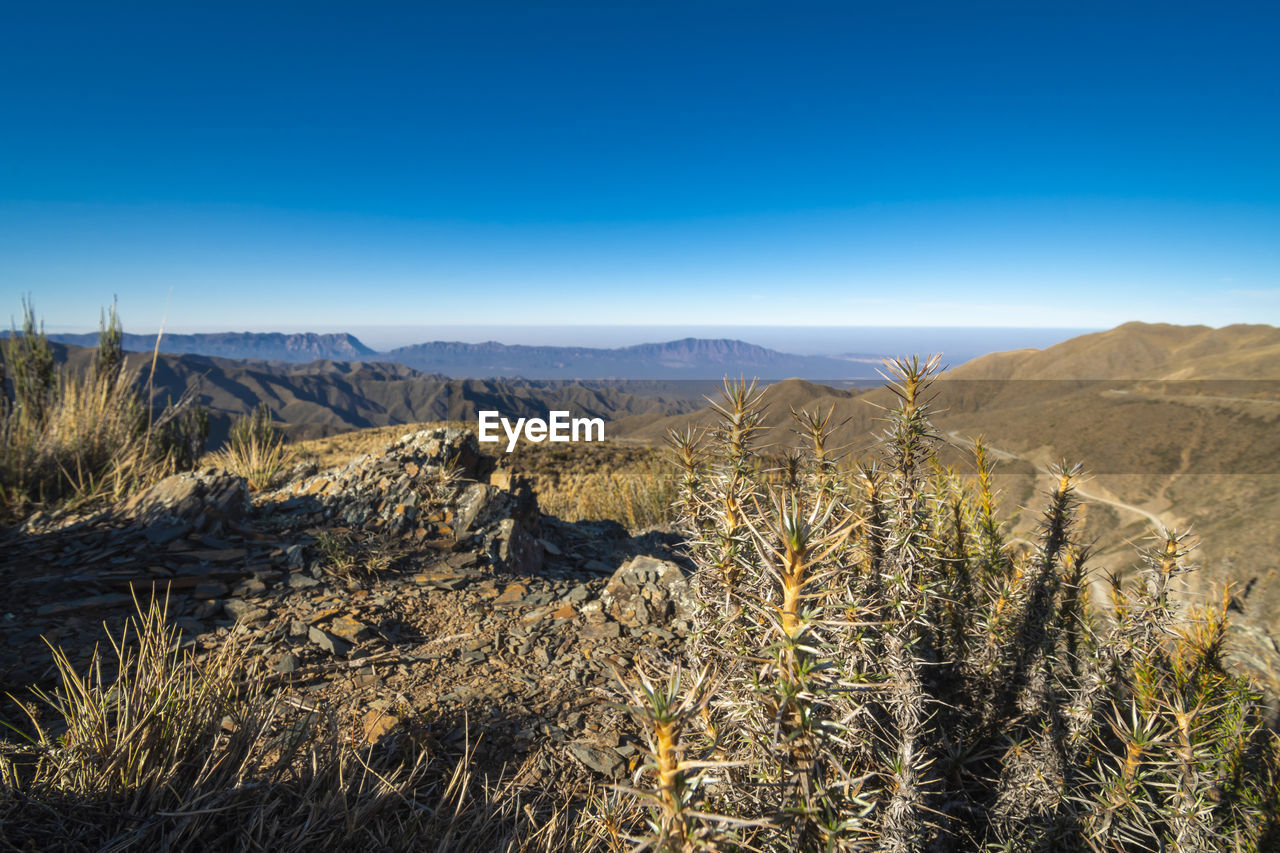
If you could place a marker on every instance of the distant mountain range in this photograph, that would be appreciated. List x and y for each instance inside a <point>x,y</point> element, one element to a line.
<point>690,358</point>
<point>274,346</point>
<point>324,397</point>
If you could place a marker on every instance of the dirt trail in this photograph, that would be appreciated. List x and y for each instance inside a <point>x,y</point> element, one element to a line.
<point>1154,518</point>
<point>1192,399</point>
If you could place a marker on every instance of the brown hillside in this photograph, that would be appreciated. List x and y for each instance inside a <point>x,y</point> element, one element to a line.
<point>328,397</point>
<point>1142,351</point>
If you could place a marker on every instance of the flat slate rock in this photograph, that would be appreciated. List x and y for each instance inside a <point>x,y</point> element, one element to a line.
<point>600,759</point>
<point>113,599</point>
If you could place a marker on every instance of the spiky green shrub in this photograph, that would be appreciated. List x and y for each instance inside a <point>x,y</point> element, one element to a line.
<point>665,710</point>
<point>110,356</point>
<point>29,369</point>
<point>895,676</point>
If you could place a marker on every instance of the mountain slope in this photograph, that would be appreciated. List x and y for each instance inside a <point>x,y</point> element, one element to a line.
<point>1149,351</point>
<point>325,397</point>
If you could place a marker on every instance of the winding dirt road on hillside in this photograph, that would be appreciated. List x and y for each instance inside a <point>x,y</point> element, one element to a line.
<point>1158,520</point>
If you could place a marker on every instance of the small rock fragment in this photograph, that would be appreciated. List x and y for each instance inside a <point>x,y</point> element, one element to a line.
<point>329,642</point>
<point>599,759</point>
<point>243,611</point>
<point>288,663</point>
<point>349,629</point>
<point>378,724</point>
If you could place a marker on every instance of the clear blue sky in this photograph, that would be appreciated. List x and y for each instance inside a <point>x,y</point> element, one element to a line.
<point>336,165</point>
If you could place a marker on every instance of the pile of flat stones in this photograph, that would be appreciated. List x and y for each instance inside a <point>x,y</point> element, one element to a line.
<point>395,491</point>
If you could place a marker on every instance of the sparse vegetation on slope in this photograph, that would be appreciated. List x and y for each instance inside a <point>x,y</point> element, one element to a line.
<point>632,484</point>
<point>172,752</point>
<point>874,666</point>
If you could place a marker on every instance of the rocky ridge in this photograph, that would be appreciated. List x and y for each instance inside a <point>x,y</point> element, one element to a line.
<point>415,593</point>
<point>276,346</point>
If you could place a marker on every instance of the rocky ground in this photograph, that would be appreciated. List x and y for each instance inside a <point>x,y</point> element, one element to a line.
<point>417,592</point>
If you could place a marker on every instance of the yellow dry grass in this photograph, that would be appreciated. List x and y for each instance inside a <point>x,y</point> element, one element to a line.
<point>336,450</point>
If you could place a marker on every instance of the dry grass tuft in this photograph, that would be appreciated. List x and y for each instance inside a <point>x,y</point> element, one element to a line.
<point>628,483</point>
<point>154,748</point>
<point>255,450</point>
<point>68,439</point>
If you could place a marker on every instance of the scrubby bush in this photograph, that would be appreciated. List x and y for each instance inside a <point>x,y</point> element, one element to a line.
<point>70,437</point>
<point>891,675</point>
<point>255,450</point>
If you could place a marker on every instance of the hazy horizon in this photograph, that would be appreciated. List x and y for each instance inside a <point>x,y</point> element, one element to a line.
<point>966,341</point>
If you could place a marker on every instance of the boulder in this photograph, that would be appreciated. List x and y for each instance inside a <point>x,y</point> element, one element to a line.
<point>200,501</point>
<point>475,506</point>
<point>513,549</point>
<point>480,506</point>
<point>647,591</point>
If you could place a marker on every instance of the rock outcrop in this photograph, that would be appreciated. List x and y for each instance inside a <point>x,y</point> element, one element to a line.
<point>413,592</point>
<point>196,501</point>
<point>398,490</point>
<point>646,591</point>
